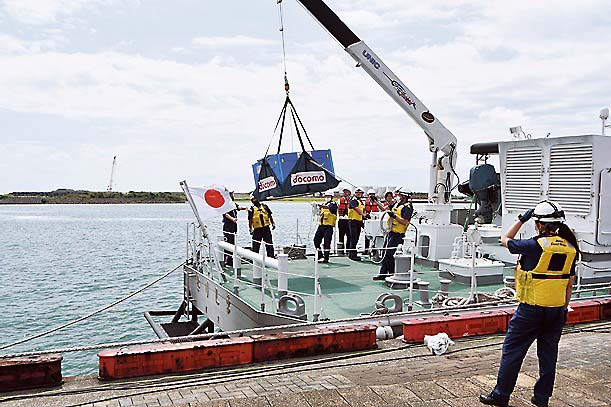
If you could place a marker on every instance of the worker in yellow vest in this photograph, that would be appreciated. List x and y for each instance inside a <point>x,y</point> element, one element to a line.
<point>544,278</point>
<point>259,221</point>
<point>399,217</point>
<point>326,222</point>
<point>343,223</point>
<point>356,209</point>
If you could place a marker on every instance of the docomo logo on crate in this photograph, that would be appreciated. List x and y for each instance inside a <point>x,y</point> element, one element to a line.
<point>267,183</point>
<point>306,178</point>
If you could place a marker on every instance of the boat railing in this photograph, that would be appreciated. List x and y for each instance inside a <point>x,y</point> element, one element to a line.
<point>265,269</point>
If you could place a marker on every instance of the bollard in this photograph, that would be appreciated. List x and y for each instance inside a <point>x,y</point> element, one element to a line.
<point>424,294</point>
<point>445,286</point>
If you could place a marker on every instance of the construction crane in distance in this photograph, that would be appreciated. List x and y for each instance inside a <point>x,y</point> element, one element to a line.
<point>112,174</point>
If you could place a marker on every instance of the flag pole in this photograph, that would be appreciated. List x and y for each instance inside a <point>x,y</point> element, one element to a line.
<point>185,188</point>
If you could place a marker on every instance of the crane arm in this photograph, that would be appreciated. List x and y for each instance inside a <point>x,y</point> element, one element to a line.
<point>440,138</point>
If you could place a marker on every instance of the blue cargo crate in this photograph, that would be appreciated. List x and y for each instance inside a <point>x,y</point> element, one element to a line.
<point>283,164</point>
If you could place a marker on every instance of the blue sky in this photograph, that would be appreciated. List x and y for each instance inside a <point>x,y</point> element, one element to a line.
<point>191,89</point>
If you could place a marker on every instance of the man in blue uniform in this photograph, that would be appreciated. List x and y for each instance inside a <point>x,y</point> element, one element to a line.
<point>544,279</point>
<point>400,215</point>
<point>230,229</point>
<point>343,223</point>
<point>356,213</point>
<point>326,223</point>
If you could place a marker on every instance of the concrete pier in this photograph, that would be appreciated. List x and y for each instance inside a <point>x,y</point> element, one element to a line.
<point>398,375</point>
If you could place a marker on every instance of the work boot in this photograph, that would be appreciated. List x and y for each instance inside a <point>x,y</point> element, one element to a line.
<point>489,400</point>
<point>326,256</point>
<point>319,255</point>
<point>380,277</point>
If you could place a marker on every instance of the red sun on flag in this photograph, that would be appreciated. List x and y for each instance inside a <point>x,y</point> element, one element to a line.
<point>214,198</point>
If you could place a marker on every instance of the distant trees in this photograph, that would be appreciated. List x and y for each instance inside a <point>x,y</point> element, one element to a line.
<point>65,195</point>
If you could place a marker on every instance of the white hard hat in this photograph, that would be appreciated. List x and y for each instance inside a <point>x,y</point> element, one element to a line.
<point>403,191</point>
<point>371,191</point>
<point>548,211</point>
<point>358,189</point>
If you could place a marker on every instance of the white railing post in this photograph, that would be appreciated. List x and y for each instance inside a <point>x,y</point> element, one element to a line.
<point>579,274</point>
<point>410,304</point>
<point>283,278</point>
<point>264,270</point>
<point>256,268</point>
<point>473,273</point>
<point>316,314</point>
<point>236,263</point>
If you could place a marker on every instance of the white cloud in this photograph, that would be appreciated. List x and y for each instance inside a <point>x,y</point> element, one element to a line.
<point>363,18</point>
<point>235,41</point>
<point>17,46</point>
<point>544,67</point>
<point>43,11</point>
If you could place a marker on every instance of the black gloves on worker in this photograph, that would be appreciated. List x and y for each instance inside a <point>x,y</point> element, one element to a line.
<point>391,214</point>
<point>525,217</point>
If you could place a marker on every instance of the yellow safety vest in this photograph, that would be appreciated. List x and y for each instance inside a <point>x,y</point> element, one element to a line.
<point>395,225</point>
<point>260,217</point>
<point>326,217</point>
<point>353,214</point>
<point>545,285</point>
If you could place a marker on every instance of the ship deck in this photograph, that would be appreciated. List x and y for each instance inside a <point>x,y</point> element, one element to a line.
<point>347,287</point>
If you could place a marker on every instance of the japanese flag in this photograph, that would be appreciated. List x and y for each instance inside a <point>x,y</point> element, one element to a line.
<point>211,201</point>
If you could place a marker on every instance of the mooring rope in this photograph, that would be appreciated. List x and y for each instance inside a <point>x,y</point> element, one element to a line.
<point>241,332</point>
<point>67,324</point>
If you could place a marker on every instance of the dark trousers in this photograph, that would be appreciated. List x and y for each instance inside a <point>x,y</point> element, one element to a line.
<point>355,233</point>
<point>393,239</point>
<point>263,234</point>
<point>344,232</point>
<point>531,322</point>
<point>229,232</point>
<point>324,235</point>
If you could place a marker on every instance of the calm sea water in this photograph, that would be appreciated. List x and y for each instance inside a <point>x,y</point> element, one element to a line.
<point>59,262</point>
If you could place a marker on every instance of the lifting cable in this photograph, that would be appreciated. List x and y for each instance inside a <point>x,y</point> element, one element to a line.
<point>67,324</point>
<point>289,104</point>
<point>286,81</point>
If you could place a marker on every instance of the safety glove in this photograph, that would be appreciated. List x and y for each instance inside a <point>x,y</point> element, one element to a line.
<point>525,217</point>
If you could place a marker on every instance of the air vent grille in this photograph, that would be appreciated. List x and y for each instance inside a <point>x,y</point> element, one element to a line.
<point>570,177</point>
<point>523,178</point>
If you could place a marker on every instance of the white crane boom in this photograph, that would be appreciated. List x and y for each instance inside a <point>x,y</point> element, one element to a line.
<point>441,140</point>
